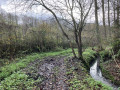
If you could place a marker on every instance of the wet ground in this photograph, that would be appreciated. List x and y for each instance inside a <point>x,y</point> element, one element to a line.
<point>51,73</point>
<point>52,70</point>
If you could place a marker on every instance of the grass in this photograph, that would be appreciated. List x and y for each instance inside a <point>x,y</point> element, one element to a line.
<point>87,84</point>
<point>19,81</point>
<point>7,70</point>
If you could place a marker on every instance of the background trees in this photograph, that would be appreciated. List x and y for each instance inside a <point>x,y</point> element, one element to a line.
<point>71,18</point>
<point>74,13</point>
<point>28,35</point>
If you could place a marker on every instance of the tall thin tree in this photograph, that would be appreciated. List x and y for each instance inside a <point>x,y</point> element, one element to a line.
<point>97,24</point>
<point>103,12</point>
<point>109,18</point>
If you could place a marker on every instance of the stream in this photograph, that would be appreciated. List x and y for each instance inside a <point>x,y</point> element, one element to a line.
<point>96,74</point>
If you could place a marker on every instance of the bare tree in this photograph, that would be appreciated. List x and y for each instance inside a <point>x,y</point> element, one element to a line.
<point>74,12</point>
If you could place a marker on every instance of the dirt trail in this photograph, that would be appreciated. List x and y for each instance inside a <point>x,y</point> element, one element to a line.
<point>53,69</point>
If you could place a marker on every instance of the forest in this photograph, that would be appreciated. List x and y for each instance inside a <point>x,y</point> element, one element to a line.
<point>67,45</point>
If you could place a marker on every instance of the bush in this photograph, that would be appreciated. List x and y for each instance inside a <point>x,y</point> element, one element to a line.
<point>116,46</point>
<point>118,54</point>
<point>105,54</point>
<point>89,55</point>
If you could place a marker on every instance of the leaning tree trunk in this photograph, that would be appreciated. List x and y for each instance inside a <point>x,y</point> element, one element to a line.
<point>61,28</point>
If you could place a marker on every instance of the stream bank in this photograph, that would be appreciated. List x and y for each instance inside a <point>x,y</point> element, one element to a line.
<point>110,64</point>
<point>96,73</point>
<point>111,71</point>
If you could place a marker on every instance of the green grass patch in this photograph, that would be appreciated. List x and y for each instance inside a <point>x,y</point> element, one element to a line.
<point>96,85</point>
<point>87,84</point>
<point>18,81</point>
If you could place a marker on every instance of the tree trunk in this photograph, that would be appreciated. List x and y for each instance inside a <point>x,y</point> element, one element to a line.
<point>109,18</point>
<point>114,12</point>
<point>118,12</point>
<point>61,28</point>
<point>97,25</point>
<point>80,45</point>
<point>103,12</point>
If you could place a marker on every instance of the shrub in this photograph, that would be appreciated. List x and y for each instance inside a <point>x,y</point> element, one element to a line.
<point>118,54</point>
<point>116,46</point>
<point>89,55</point>
<point>105,54</point>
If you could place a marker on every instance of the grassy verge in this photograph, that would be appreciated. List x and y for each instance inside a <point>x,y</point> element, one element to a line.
<point>23,62</point>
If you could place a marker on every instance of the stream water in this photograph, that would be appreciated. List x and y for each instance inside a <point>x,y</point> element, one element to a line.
<point>96,74</point>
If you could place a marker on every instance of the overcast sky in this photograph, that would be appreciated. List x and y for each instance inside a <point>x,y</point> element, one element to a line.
<point>35,12</point>
<point>8,7</point>
<point>2,2</point>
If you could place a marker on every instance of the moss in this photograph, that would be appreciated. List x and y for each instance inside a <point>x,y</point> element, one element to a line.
<point>105,55</point>
<point>116,46</point>
<point>89,56</point>
<point>106,74</point>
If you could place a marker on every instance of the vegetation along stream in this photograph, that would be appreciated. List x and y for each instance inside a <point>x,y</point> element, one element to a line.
<point>96,74</point>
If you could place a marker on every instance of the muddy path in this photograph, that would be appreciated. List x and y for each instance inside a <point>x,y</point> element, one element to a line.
<point>52,70</point>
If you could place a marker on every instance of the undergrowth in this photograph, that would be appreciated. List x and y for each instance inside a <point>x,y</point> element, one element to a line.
<point>89,55</point>
<point>18,81</point>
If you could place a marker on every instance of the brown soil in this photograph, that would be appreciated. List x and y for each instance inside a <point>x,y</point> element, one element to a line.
<point>52,69</point>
